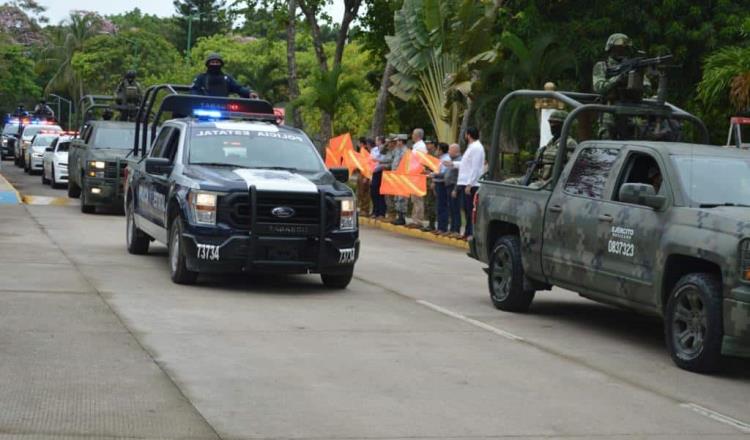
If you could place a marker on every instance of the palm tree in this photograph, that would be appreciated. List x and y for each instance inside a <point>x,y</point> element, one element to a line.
<point>726,73</point>
<point>66,40</point>
<point>329,92</point>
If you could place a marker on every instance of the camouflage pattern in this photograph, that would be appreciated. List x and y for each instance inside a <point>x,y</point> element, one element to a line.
<point>617,39</point>
<point>618,253</point>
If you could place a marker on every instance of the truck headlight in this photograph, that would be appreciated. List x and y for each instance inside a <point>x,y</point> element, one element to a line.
<point>203,205</point>
<point>348,220</point>
<point>97,164</point>
<point>744,258</point>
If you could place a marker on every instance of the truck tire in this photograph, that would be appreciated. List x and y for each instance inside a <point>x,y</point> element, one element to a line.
<point>693,323</point>
<point>506,278</point>
<point>337,280</point>
<point>74,191</point>
<point>177,265</point>
<point>137,240</point>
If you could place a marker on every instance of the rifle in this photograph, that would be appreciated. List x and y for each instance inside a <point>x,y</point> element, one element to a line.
<point>637,63</point>
<point>533,166</point>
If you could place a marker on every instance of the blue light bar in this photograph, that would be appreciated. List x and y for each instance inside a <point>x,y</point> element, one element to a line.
<point>201,113</point>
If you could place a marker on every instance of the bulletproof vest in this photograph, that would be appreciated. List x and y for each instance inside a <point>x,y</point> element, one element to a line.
<point>215,84</point>
<point>131,93</point>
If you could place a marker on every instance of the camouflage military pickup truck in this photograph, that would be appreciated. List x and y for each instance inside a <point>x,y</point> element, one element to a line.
<point>658,227</point>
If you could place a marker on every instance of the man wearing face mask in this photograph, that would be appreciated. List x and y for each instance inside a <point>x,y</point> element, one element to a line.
<point>613,89</point>
<point>546,155</point>
<point>214,82</point>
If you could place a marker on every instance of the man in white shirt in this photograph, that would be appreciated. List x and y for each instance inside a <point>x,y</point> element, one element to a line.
<point>417,202</point>
<point>470,169</point>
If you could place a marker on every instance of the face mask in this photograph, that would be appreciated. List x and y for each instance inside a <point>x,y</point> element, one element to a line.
<point>556,130</point>
<point>214,69</point>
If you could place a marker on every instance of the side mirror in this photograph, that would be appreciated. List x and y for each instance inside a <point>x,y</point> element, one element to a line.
<point>158,166</point>
<point>340,174</point>
<point>49,150</point>
<point>641,194</point>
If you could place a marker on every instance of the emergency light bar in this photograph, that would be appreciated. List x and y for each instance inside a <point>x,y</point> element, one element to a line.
<point>217,108</point>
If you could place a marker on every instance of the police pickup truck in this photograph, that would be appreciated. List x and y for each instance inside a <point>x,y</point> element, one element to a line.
<point>658,227</point>
<point>227,189</point>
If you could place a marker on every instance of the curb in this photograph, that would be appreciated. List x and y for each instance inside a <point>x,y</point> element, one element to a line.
<point>414,233</point>
<point>46,200</point>
<point>9,195</point>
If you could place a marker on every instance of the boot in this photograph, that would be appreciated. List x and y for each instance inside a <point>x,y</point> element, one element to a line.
<point>400,220</point>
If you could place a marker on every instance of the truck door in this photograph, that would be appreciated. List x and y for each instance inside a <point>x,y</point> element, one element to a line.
<point>569,251</point>
<point>629,235</point>
<point>145,186</point>
<point>162,183</point>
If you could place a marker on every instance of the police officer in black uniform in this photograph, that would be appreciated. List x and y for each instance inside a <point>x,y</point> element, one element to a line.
<point>214,82</point>
<point>42,110</point>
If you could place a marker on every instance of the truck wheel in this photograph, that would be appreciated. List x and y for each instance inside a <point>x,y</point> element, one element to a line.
<point>693,324</point>
<point>337,280</point>
<point>506,278</point>
<point>74,191</point>
<point>177,264</point>
<point>137,240</point>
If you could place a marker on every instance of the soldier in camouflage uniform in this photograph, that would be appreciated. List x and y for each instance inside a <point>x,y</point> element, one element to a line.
<point>618,48</point>
<point>546,163</point>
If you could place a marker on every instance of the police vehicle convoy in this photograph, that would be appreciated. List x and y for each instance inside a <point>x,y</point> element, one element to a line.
<point>29,128</point>
<point>227,189</point>
<point>35,151</point>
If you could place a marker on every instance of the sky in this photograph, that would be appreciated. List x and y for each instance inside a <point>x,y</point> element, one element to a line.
<point>57,10</point>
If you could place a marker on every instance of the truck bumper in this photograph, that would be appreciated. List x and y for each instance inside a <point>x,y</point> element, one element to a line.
<point>102,192</point>
<point>271,254</point>
<point>35,164</point>
<point>736,340</point>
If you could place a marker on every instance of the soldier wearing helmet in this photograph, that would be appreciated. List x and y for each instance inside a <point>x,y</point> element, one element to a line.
<point>618,48</point>
<point>541,169</point>
<point>214,82</point>
<point>128,96</point>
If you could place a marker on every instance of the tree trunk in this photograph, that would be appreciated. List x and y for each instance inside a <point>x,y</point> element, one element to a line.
<point>465,122</point>
<point>291,59</point>
<point>312,21</point>
<point>326,129</point>
<point>381,105</point>
<point>351,7</point>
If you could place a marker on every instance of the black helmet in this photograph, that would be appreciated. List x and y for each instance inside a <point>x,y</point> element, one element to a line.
<point>213,56</point>
<point>130,74</point>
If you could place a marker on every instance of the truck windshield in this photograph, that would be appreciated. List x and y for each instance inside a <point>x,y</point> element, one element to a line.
<point>43,141</point>
<point>114,137</point>
<point>253,149</point>
<point>706,187</point>
<point>10,129</point>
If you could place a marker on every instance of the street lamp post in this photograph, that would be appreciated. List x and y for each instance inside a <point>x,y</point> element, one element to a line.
<point>192,14</point>
<point>70,108</point>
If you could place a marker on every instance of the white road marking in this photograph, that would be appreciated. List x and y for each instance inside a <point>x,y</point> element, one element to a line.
<point>471,321</point>
<point>721,418</point>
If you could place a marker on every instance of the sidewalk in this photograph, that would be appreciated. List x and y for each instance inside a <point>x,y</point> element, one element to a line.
<point>8,194</point>
<point>69,366</point>
<point>415,233</point>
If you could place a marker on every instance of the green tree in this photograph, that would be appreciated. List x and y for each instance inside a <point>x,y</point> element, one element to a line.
<point>65,42</point>
<point>105,58</point>
<point>726,74</point>
<point>17,76</point>
<point>135,19</point>
<point>209,17</point>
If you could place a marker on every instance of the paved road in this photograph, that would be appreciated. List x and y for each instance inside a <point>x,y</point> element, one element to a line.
<point>96,343</point>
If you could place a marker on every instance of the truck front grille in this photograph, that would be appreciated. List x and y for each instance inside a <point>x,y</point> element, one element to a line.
<point>235,210</point>
<point>113,171</point>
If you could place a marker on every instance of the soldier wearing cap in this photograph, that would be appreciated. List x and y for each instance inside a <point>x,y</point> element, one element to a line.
<point>214,82</point>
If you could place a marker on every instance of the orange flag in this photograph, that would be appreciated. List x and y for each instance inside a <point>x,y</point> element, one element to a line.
<point>368,163</point>
<point>333,160</point>
<point>428,160</point>
<point>403,185</point>
<point>341,144</point>
<point>352,161</point>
